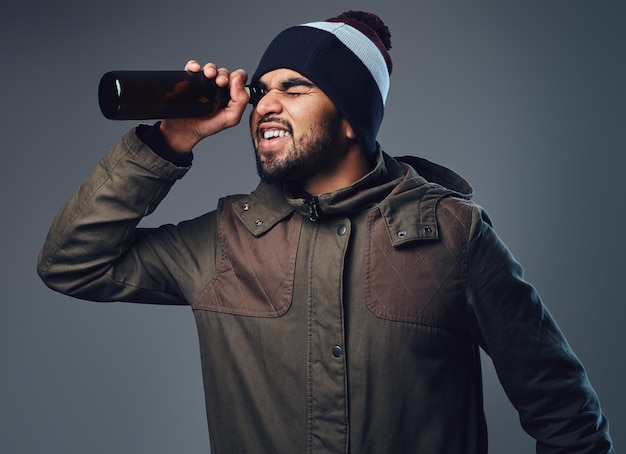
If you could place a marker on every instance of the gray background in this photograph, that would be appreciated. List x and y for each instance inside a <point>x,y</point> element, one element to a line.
<point>526,99</point>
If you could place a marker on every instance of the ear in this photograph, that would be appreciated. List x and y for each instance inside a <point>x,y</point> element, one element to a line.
<point>348,131</point>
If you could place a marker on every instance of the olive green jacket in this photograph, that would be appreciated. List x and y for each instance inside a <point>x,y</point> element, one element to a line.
<point>347,323</point>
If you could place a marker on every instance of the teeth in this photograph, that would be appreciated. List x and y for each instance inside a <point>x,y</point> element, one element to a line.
<point>275,133</point>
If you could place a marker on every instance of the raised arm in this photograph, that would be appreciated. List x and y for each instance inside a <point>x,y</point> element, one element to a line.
<point>94,249</point>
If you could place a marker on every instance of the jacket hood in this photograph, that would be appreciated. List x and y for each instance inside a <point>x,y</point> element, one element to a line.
<point>440,175</point>
<point>390,177</point>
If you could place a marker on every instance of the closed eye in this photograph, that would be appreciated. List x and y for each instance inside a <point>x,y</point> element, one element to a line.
<point>294,94</point>
<point>292,87</point>
<point>296,86</point>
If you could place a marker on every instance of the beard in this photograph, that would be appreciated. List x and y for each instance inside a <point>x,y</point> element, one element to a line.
<point>313,152</point>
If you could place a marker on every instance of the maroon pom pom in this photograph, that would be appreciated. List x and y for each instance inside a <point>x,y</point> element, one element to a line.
<point>372,21</point>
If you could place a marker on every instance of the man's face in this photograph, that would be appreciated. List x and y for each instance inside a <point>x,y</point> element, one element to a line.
<point>296,130</point>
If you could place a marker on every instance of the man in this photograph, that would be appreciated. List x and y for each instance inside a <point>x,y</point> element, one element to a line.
<point>341,306</point>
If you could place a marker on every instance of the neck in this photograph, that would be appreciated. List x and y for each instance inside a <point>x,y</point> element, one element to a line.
<point>354,166</point>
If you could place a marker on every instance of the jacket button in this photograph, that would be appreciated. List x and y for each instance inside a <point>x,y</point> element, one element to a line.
<point>337,351</point>
<point>246,206</point>
<point>341,230</point>
<point>258,222</point>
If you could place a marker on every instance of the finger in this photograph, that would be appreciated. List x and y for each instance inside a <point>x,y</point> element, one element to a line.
<point>238,93</point>
<point>193,66</point>
<point>210,70</point>
<point>223,76</point>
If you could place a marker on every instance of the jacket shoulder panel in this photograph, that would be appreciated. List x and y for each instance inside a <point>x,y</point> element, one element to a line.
<point>423,281</point>
<point>255,273</point>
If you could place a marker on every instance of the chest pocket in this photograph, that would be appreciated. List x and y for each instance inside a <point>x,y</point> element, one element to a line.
<point>422,281</point>
<point>255,274</point>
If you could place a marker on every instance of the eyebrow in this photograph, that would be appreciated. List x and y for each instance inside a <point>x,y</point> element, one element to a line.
<point>289,83</point>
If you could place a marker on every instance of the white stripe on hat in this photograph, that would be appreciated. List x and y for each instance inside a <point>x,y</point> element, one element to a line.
<point>362,47</point>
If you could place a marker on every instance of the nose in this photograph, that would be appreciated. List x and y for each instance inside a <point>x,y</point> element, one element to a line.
<point>269,103</point>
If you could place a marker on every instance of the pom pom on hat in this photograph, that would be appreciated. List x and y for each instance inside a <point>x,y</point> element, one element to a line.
<point>367,23</point>
<point>347,57</point>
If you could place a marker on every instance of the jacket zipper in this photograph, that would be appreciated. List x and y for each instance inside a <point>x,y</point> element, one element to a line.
<point>313,209</point>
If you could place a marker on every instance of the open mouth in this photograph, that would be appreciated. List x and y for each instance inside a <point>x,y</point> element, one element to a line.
<point>272,129</point>
<point>272,138</point>
<point>269,134</point>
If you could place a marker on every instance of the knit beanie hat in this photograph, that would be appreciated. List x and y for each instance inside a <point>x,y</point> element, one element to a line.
<point>347,58</point>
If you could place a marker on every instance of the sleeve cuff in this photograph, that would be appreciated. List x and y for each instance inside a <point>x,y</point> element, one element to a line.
<point>152,137</point>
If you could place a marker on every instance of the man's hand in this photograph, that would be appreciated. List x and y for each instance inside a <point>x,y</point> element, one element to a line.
<point>183,134</point>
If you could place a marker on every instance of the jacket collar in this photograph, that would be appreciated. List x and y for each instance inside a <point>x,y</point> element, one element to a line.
<point>409,211</point>
<point>263,209</point>
<point>406,191</point>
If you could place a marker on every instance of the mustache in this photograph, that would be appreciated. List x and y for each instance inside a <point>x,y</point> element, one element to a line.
<point>275,120</point>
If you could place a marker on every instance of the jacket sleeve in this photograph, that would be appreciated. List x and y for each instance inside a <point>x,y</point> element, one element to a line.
<point>538,370</point>
<point>94,249</point>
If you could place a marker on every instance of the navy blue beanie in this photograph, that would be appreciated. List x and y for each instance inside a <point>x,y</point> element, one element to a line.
<point>346,56</point>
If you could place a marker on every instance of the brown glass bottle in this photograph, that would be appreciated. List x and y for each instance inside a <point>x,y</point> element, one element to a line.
<point>144,95</point>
